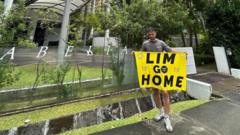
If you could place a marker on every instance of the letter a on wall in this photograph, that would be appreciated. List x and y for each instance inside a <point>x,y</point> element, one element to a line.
<point>164,71</point>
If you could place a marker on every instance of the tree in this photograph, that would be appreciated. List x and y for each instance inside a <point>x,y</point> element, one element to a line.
<point>7,37</point>
<point>15,30</point>
<point>196,18</point>
<point>129,22</point>
<point>223,26</point>
<point>14,27</point>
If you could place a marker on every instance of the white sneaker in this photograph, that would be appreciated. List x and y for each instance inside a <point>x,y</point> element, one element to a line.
<point>160,116</point>
<point>168,124</point>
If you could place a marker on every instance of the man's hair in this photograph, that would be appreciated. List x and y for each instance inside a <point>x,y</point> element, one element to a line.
<point>151,29</point>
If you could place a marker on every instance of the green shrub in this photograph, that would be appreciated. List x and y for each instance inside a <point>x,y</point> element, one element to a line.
<point>223,26</point>
<point>201,59</point>
<point>7,74</point>
<point>98,50</point>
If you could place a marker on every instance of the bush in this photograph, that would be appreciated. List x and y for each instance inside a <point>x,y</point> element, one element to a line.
<point>7,74</point>
<point>223,26</point>
<point>201,59</point>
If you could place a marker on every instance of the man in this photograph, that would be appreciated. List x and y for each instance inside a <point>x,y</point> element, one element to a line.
<point>155,45</point>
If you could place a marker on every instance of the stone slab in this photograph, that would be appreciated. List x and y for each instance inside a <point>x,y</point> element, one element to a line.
<point>36,129</point>
<point>85,119</point>
<point>129,108</point>
<point>110,112</point>
<point>5,132</point>
<point>60,124</point>
<point>145,103</point>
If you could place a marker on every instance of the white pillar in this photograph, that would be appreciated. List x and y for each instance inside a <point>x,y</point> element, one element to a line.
<point>93,11</point>
<point>107,4</point>
<point>33,24</point>
<point>64,32</point>
<point>7,6</point>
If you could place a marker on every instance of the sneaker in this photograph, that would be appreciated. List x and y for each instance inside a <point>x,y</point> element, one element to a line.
<point>168,124</point>
<point>160,116</point>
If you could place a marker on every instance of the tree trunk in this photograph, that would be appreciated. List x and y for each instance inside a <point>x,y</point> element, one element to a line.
<point>196,40</point>
<point>183,39</point>
<point>190,37</point>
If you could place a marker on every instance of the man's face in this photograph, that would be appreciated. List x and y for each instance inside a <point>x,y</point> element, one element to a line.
<point>152,35</point>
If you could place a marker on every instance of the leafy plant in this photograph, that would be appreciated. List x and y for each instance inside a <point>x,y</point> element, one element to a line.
<point>117,65</point>
<point>57,75</point>
<point>40,71</point>
<point>236,57</point>
<point>14,27</point>
<point>7,74</point>
<point>223,26</point>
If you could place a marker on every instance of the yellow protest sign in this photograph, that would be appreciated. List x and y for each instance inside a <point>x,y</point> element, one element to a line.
<point>161,70</point>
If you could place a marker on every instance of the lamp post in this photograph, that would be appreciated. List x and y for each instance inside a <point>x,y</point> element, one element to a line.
<point>229,54</point>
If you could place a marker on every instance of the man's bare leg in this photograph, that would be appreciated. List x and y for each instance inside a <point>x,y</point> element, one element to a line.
<point>158,101</point>
<point>157,98</point>
<point>166,102</point>
<point>166,106</point>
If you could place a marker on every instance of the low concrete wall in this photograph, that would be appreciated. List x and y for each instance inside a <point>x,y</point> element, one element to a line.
<point>198,89</point>
<point>44,91</point>
<point>98,115</point>
<point>235,73</point>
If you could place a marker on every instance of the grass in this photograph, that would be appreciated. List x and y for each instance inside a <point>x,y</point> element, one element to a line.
<point>28,75</point>
<point>63,110</point>
<point>177,107</point>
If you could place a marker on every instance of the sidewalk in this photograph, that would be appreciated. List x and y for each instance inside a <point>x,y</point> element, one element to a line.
<point>217,117</point>
<point>213,118</point>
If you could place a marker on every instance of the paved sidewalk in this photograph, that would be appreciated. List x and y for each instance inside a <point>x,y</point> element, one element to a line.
<point>213,118</point>
<point>217,117</point>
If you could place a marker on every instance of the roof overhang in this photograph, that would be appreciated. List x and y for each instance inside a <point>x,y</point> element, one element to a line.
<point>55,5</point>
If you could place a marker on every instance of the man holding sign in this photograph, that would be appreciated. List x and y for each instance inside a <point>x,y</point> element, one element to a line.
<point>160,71</point>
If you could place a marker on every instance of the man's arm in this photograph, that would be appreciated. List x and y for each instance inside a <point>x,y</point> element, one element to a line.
<point>143,48</point>
<point>166,47</point>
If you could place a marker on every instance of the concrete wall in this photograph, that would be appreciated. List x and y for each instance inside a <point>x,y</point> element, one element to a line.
<point>235,72</point>
<point>99,41</point>
<point>110,112</point>
<point>42,92</point>
<point>198,89</point>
